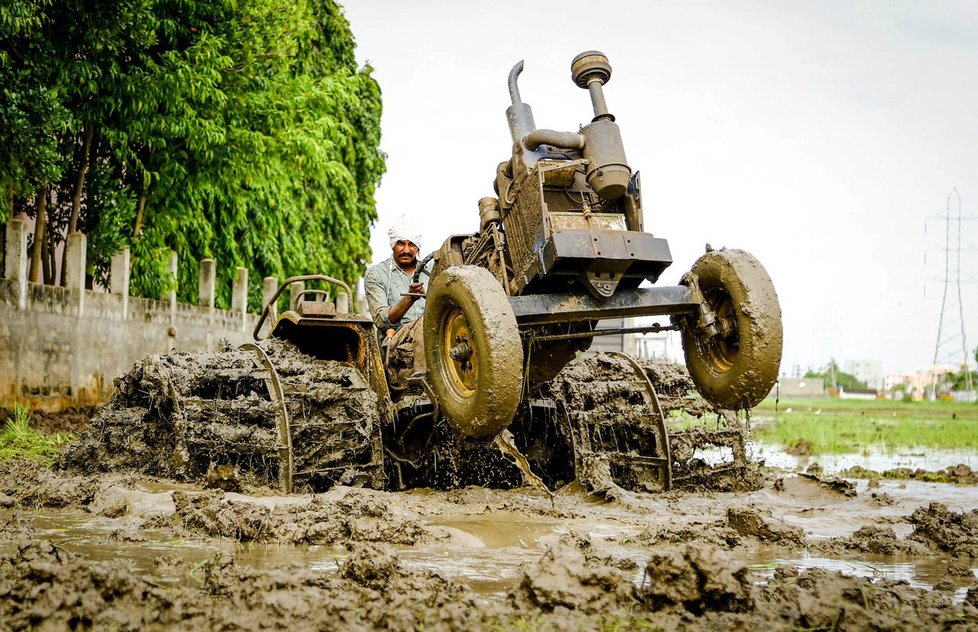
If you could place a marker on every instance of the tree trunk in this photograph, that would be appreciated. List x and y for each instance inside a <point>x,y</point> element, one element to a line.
<point>36,252</point>
<point>140,206</point>
<point>80,180</point>
<point>77,197</point>
<point>47,258</point>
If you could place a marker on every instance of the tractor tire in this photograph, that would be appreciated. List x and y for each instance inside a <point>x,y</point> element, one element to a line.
<point>473,351</point>
<point>737,368</point>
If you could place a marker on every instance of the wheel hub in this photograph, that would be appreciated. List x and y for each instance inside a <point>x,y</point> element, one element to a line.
<point>461,363</point>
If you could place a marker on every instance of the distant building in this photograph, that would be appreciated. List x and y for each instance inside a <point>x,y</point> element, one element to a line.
<point>869,372</point>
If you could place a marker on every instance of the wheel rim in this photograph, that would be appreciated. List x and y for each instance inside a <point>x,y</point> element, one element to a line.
<point>724,348</point>
<point>459,354</point>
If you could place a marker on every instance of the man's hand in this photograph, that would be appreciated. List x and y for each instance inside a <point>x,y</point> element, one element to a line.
<point>416,289</point>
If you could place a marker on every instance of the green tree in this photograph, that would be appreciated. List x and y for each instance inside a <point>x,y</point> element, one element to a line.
<point>238,131</point>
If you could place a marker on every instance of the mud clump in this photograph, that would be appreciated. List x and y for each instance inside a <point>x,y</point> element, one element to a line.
<point>763,526</point>
<point>870,539</point>
<point>32,485</point>
<point>821,600</point>
<point>355,517</point>
<point>946,531</point>
<point>699,579</point>
<point>563,579</point>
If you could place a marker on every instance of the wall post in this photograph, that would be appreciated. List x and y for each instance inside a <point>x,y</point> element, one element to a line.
<point>119,279</point>
<point>295,290</point>
<point>269,285</point>
<point>172,270</point>
<point>239,294</point>
<point>15,264</point>
<point>75,266</point>
<point>208,276</point>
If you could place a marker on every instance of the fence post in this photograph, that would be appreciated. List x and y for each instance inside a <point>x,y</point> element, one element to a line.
<point>119,279</point>
<point>75,267</point>
<point>269,285</point>
<point>15,264</point>
<point>208,274</point>
<point>295,290</point>
<point>239,295</point>
<point>172,269</point>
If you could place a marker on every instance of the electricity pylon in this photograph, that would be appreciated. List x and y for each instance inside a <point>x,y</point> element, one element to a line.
<point>952,346</point>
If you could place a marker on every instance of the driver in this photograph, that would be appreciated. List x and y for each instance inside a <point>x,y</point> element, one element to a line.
<point>396,303</point>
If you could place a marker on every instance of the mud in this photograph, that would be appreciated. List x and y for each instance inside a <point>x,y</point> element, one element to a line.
<point>144,553</point>
<point>210,417</point>
<point>148,527</point>
<point>216,420</point>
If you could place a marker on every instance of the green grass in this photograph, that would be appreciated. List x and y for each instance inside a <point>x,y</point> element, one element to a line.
<point>20,442</point>
<point>835,426</point>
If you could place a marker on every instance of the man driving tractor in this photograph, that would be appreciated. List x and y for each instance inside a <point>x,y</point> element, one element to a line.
<point>396,303</point>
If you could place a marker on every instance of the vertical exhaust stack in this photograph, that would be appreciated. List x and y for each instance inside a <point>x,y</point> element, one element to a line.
<point>519,115</point>
<point>608,172</point>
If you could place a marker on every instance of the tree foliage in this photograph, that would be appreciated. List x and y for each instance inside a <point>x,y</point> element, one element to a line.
<point>239,131</point>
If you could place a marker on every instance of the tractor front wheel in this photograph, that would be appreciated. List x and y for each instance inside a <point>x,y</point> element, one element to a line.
<point>737,367</point>
<point>473,350</point>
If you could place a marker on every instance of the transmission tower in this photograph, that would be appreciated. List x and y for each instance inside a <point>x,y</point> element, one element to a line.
<point>951,348</point>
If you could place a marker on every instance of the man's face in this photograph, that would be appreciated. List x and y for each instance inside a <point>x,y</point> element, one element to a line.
<point>405,253</point>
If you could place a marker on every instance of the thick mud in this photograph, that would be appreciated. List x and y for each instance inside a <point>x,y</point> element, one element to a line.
<point>134,552</point>
<point>167,514</point>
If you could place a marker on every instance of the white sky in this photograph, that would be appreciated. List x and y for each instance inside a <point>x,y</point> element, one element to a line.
<point>820,136</point>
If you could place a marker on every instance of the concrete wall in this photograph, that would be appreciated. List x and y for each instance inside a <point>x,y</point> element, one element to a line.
<point>799,387</point>
<point>63,346</point>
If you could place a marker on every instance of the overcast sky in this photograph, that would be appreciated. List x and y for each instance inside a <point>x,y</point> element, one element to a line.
<point>823,137</point>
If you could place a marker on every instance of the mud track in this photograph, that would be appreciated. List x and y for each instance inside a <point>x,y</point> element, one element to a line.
<point>145,554</point>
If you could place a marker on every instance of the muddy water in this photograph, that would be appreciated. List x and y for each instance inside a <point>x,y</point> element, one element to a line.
<point>876,460</point>
<point>483,537</point>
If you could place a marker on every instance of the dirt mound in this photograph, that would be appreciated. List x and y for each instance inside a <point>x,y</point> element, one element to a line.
<point>821,600</point>
<point>946,531</point>
<point>356,517</point>
<point>698,579</point>
<point>870,539</point>
<point>565,579</point>
<point>760,524</point>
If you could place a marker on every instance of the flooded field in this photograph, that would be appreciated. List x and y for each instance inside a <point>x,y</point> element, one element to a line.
<point>876,538</point>
<point>502,556</point>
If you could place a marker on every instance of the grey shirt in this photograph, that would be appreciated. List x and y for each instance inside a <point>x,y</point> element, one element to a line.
<point>384,283</point>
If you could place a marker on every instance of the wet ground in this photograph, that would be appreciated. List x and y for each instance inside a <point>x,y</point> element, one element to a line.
<point>801,552</point>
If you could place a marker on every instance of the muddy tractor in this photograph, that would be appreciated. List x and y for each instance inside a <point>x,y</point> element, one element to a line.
<point>560,248</point>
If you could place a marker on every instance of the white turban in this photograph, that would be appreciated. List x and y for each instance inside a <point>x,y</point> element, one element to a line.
<point>403,229</point>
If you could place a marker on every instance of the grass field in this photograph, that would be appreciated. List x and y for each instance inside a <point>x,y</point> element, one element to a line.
<point>834,426</point>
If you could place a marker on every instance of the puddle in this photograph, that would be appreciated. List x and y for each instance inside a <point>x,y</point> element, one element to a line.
<point>876,461</point>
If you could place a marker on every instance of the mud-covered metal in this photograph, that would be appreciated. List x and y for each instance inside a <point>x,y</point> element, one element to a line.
<point>277,394</point>
<point>565,239</point>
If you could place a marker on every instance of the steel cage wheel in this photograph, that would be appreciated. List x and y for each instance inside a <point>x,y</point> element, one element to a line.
<point>737,368</point>
<point>473,350</point>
